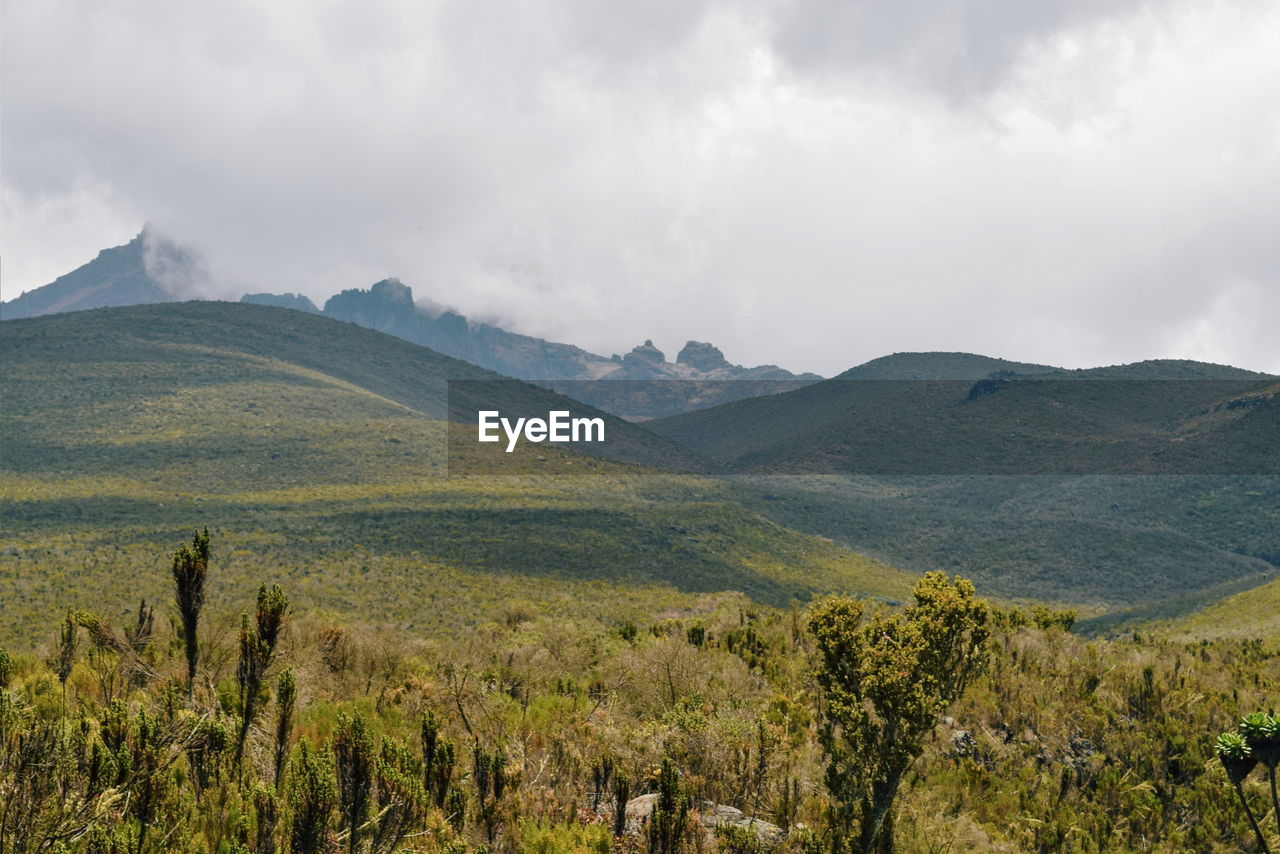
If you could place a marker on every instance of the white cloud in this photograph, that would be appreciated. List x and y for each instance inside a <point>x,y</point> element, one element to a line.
<point>1061,182</point>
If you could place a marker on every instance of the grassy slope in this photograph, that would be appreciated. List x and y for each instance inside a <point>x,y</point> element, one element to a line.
<point>1253,613</point>
<point>1100,541</point>
<point>315,452</point>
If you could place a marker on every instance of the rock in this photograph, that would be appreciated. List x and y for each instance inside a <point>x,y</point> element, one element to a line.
<point>964,743</point>
<point>647,353</point>
<point>702,356</point>
<point>708,814</point>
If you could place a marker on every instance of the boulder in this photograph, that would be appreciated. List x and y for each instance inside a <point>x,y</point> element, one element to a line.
<point>710,815</point>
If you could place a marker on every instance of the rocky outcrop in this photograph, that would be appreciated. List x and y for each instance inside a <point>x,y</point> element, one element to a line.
<point>702,356</point>
<point>711,816</point>
<point>388,306</point>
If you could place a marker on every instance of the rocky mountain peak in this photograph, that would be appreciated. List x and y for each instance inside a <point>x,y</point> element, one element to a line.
<point>646,353</point>
<point>702,356</point>
<point>393,291</point>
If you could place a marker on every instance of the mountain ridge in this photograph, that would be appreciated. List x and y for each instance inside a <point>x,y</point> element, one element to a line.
<point>117,276</point>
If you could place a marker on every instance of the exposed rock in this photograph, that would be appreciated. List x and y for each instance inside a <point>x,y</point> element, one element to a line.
<point>710,815</point>
<point>703,357</point>
<point>646,352</point>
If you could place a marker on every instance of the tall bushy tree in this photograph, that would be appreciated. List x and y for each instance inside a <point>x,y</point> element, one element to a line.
<point>286,701</point>
<point>257,646</point>
<point>621,794</point>
<point>354,759</point>
<point>6,669</point>
<point>669,820</point>
<point>190,568</point>
<point>313,796</point>
<point>438,759</point>
<point>489,771</point>
<point>886,678</point>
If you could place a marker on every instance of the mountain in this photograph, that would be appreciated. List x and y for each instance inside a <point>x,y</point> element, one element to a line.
<point>939,366</point>
<point>1098,538</point>
<point>322,448</point>
<point>700,376</point>
<point>297,302</point>
<point>147,269</point>
<point>1151,417</point>
<point>431,384</point>
<point>150,269</point>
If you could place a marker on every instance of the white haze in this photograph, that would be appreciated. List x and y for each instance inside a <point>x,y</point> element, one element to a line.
<point>811,184</point>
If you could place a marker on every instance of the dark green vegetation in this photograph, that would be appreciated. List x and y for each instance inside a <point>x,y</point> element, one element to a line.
<point>1160,543</point>
<point>1085,422</point>
<point>938,366</point>
<point>529,732</point>
<point>1167,543</point>
<point>318,447</point>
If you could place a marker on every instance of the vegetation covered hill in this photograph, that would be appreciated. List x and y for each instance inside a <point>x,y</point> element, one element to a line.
<point>1079,423</point>
<point>1099,542</point>
<point>939,366</point>
<point>1097,539</point>
<point>319,447</point>
<point>1253,613</point>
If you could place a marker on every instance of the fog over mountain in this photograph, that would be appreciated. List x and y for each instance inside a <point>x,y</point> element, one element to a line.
<point>809,184</point>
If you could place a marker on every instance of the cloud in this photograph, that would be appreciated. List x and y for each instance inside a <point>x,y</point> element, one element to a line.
<point>803,183</point>
<point>960,50</point>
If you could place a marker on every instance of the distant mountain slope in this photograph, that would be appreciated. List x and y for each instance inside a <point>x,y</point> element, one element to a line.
<point>939,366</point>
<point>388,306</point>
<point>297,302</point>
<point>119,276</point>
<point>1100,539</point>
<point>1096,541</point>
<point>699,377</point>
<point>150,270</point>
<point>147,343</point>
<point>315,452</point>
<point>1153,417</point>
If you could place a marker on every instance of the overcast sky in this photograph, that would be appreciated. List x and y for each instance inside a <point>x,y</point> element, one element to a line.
<point>811,184</point>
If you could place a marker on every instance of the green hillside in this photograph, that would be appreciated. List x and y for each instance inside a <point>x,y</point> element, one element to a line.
<point>1097,541</point>
<point>315,450</point>
<point>1079,535</point>
<point>938,366</point>
<point>1077,424</point>
<point>1253,613</point>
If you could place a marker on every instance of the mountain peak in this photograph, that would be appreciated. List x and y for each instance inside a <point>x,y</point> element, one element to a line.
<point>144,270</point>
<point>702,356</point>
<point>393,290</point>
<point>646,353</point>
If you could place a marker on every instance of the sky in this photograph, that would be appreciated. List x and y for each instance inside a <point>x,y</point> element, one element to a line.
<point>808,183</point>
